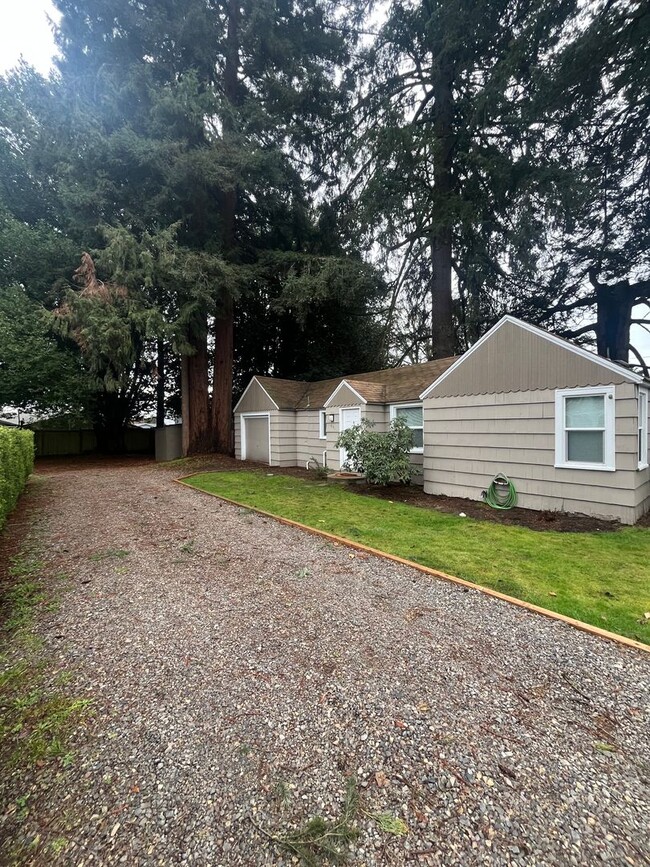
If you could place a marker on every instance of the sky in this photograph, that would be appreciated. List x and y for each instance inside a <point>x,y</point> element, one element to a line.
<point>25,30</point>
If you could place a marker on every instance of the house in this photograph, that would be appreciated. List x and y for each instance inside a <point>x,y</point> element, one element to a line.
<point>288,423</point>
<point>569,428</point>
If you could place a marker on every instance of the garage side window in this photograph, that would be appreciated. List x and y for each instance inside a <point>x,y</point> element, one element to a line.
<point>584,428</point>
<point>322,425</point>
<point>412,415</point>
<point>643,428</point>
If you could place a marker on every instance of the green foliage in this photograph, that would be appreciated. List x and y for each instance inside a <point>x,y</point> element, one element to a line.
<point>321,840</point>
<point>545,568</point>
<point>37,371</point>
<point>382,457</point>
<point>34,721</point>
<point>16,463</point>
<point>390,824</point>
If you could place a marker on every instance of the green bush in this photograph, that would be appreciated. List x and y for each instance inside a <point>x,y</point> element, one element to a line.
<point>16,463</point>
<point>381,457</point>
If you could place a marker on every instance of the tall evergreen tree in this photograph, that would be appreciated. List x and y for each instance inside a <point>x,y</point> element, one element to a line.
<point>198,114</point>
<point>593,247</point>
<point>447,142</point>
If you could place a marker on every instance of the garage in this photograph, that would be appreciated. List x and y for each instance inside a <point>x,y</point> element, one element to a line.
<point>255,437</point>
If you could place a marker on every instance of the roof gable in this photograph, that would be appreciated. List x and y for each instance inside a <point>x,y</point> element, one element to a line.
<point>516,356</point>
<point>255,398</point>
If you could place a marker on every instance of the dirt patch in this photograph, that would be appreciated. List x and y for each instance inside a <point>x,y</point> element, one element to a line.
<point>560,522</point>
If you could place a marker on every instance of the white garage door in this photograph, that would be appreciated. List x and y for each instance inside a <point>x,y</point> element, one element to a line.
<point>255,438</point>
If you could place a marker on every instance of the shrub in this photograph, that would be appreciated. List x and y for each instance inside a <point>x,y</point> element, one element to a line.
<point>16,463</point>
<point>381,457</point>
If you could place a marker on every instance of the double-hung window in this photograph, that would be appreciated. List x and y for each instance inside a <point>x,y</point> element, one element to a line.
<point>412,415</point>
<point>322,425</point>
<point>643,428</point>
<point>584,428</point>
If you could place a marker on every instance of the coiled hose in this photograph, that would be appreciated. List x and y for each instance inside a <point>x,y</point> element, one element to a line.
<point>501,494</point>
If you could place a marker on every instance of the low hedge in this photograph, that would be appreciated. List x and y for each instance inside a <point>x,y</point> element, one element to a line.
<point>16,463</point>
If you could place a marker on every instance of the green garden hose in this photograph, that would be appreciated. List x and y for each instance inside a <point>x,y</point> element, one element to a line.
<point>501,494</point>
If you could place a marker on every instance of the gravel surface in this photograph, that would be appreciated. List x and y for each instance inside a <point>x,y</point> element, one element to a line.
<point>241,671</point>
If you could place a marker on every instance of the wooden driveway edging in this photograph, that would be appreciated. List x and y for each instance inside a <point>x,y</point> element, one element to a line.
<point>427,570</point>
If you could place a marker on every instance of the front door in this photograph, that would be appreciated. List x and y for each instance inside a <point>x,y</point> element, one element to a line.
<point>349,417</point>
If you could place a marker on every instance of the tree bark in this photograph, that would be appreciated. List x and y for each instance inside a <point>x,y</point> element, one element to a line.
<point>614,304</point>
<point>196,418</point>
<point>222,426</point>
<point>442,321</point>
<point>222,383</point>
<point>160,383</point>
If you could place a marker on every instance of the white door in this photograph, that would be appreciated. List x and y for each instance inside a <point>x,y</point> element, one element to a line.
<point>255,438</point>
<point>349,417</point>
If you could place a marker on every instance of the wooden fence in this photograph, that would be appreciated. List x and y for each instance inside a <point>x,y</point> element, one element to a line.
<point>52,443</point>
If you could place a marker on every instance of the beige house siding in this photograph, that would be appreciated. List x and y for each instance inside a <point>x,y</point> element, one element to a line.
<point>255,399</point>
<point>378,414</point>
<point>469,439</point>
<point>309,445</point>
<point>516,359</point>
<point>283,438</point>
<point>238,436</point>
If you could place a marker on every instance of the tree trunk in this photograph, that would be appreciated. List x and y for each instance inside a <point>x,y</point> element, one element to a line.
<point>224,322</point>
<point>160,384</point>
<point>222,384</point>
<point>614,305</point>
<point>442,321</point>
<point>196,418</point>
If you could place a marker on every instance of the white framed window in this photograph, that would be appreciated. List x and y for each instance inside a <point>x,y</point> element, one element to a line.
<point>322,425</point>
<point>412,415</point>
<point>585,428</point>
<point>643,428</point>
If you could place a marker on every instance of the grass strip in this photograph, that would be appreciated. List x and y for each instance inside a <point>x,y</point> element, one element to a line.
<point>600,578</point>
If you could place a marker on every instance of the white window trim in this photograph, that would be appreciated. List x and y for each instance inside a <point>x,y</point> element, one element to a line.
<point>393,414</point>
<point>322,431</point>
<point>561,462</point>
<point>245,415</point>
<point>643,428</point>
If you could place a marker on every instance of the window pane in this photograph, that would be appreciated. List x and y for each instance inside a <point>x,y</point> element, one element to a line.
<point>412,415</point>
<point>418,439</point>
<point>586,446</point>
<point>585,411</point>
<point>323,424</point>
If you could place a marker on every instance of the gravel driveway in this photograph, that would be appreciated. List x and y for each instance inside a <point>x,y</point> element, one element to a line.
<point>241,671</point>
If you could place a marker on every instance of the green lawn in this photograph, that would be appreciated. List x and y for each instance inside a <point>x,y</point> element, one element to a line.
<point>602,578</point>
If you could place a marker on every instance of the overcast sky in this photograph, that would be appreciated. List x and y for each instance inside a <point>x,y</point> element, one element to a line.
<point>26,31</point>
